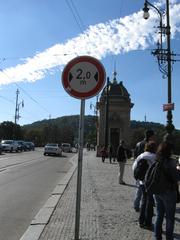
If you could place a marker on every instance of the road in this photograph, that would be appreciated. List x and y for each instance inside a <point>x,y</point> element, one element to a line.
<point>26,182</point>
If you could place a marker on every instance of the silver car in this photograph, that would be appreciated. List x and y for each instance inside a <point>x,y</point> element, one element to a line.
<point>0,148</point>
<point>66,147</point>
<point>52,149</point>
<point>9,146</point>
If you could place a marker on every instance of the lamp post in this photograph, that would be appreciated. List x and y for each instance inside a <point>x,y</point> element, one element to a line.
<point>92,106</point>
<point>164,57</point>
<point>17,116</point>
<point>107,115</point>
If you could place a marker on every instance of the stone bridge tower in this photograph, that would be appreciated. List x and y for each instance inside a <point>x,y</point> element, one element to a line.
<point>118,116</point>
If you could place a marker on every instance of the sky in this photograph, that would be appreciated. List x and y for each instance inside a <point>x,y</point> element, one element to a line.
<point>38,39</point>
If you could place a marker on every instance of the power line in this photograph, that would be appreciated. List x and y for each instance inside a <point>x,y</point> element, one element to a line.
<point>27,93</point>
<point>7,99</point>
<point>76,15</point>
<point>32,98</point>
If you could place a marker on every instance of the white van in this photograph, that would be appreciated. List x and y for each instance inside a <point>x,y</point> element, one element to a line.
<point>66,147</point>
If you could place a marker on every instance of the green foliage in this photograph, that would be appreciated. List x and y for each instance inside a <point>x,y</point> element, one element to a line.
<point>66,129</point>
<point>138,129</point>
<point>63,129</point>
<point>10,130</point>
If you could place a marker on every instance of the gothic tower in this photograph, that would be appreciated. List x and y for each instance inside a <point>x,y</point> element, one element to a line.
<point>114,115</point>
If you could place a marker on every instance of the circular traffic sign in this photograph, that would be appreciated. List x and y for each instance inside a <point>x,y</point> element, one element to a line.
<point>83,77</point>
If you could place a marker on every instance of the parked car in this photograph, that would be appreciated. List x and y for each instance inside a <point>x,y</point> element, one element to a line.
<point>9,145</point>
<point>29,146</point>
<point>66,147</point>
<point>21,145</point>
<point>0,148</point>
<point>52,149</point>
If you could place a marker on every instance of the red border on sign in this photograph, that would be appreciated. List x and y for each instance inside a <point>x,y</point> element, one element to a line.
<point>97,88</point>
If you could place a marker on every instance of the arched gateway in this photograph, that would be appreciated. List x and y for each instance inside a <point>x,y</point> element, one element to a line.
<point>114,115</point>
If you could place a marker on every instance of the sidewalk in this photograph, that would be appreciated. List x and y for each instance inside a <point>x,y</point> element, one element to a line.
<point>106,207</point>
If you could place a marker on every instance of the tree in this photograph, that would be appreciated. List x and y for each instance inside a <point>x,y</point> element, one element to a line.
<point>10,130</point>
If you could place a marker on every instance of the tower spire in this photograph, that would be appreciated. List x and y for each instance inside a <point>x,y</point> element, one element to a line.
<point>114,73</point>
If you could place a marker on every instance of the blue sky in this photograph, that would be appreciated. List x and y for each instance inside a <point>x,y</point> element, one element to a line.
<point>38,38</point>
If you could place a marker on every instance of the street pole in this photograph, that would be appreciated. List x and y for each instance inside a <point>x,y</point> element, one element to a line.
<point>164,57</point>
<point>79,173</point>
<point>16,108</point>
<point>169,126</point>
<point>107,115</point>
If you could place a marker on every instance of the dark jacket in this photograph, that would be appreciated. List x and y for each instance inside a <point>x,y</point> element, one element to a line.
<point>139,148</point>
<point>171,172</point>
<point>121,154</point>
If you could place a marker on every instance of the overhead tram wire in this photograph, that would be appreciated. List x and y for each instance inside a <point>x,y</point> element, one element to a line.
<point>32,98</point>
<point>8,100</point>
<point>76,15</point>
<point>27,93</point>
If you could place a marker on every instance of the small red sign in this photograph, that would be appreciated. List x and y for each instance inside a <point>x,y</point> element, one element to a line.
<point>168,107</point>
<point>83,77</point>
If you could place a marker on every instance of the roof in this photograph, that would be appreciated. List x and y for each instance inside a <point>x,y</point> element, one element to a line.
<point>116,90</point>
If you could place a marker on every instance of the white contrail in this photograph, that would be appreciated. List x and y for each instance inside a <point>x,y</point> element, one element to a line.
<point>116,36</point>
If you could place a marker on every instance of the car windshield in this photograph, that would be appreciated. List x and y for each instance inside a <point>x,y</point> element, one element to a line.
<point>51,145</point>
<point>7,141</point>
<point>65,145</point>
<point>28,143</point>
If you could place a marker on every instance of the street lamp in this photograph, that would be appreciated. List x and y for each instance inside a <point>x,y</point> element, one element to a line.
<point>18,104</point>
<point>164,56</point>
<point>107,115</point>
<point>92,106</point>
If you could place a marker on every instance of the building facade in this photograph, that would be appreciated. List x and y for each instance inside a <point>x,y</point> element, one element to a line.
<point>114,108</point>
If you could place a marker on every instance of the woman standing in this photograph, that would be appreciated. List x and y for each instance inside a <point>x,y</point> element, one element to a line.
<point>166,200</point>
<point>146,208</point>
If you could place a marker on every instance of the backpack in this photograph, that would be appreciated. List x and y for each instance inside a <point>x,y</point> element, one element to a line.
<point>141,169</point>
<point>155,179</point>
<point>139,148</point>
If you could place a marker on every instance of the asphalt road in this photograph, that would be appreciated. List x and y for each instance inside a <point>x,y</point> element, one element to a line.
<point>26,182</point>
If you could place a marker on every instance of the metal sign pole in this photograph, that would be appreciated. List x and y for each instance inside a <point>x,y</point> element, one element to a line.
<point>79,173</point>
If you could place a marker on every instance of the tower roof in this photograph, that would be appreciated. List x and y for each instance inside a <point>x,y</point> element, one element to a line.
<point>116,90</point>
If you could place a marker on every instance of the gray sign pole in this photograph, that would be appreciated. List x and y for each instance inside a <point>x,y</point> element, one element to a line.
<point>79,173</point>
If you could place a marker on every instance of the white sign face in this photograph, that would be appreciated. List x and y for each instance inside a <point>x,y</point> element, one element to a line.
<point>83,77</point>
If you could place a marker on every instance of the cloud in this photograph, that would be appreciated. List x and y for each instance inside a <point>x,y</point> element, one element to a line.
<point>114,37</point>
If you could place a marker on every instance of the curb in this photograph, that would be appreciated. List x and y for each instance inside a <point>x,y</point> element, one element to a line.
<point>42,218</point>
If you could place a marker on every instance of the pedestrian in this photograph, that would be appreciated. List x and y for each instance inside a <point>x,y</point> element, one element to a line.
<point>103,153</point>
<point>149,136</point>
<point>121,158</point>
<point>88,146</point>
<point>111,153</point>
<point>147,202</point>
<point>167,198</point>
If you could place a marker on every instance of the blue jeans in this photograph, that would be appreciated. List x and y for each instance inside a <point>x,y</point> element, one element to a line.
<point>138,196</point>
<point>165,204</point>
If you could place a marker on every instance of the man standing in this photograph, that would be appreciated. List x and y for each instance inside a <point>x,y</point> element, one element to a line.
<point>121,158</point>
<point>149,136</point>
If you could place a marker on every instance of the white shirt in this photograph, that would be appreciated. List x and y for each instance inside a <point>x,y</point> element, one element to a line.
<point>150,157</point>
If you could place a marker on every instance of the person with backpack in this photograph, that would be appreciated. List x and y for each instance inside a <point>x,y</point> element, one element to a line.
<point>149,136</point>
<point>164,187</point>
<point>140,167</point>
<point>121,159</point>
